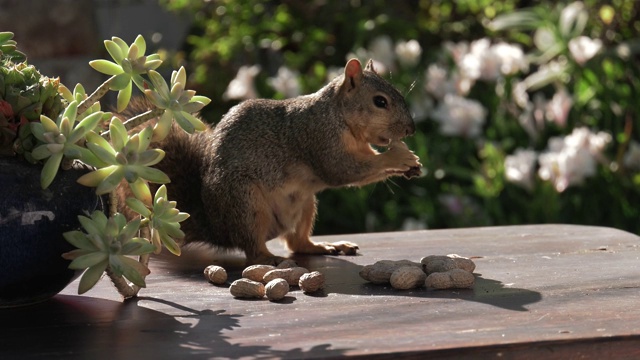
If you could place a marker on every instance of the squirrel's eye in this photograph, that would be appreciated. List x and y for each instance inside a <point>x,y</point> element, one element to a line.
<point>380,101</point>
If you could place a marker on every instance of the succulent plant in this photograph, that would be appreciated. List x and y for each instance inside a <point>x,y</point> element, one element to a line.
<point>130,63</point>
<point>126,157</point>
<point>25,94</point>
<point>46,121</point>
<point>8,49</point>
<point>176,102</point>
<point>61,138</point>
<point>107,242</point>
<point>163,219</point>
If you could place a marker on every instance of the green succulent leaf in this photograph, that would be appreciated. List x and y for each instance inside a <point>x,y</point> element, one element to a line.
<point>88,260</point>
<point>79,239</point>
<point>159,85</point>
<point>41,152</point>
<point>47,124</point>
<point>84,126</point>
<point>94,138</point>
<point>150,157</point>
<point>119,135</point>
<point>70,112</point>
<point>152,175</point>
<point>202,99</point>
<point>130,229</point>
<point>138,246</point>
<point>107,156</point>
<point>141,191</point>
<point>94,178</point>
<point>120,81</point>
<point>129,268</point>
<point>114,50</point>
<point>170,244</point>
<point>106,67</point>
<point>91,227</point>
<point>124,96</point>
<point>183,122</point>
<point>140,44</point>
<point>110,182</point>
<point>91,276</point>
<point>163,126</point>
<point>50,170</point>
<point>145,138</point>
<point>138,206</point>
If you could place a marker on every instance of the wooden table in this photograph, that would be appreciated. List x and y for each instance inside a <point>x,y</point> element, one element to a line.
<point>546,291</point>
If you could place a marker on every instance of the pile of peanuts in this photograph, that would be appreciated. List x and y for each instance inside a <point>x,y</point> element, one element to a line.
<point>435,271</point>
<point>272,281</point>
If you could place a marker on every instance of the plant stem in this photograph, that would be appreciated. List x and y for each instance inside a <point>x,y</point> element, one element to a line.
<point>126,290</point>
<point>95,96</point>
<point>138,120</point>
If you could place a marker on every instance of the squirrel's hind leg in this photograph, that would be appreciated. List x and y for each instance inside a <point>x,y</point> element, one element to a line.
<point>260,228</point>
<point>299,240</point>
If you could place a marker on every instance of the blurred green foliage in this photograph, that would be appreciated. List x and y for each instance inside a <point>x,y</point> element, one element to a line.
<point>464,182</point>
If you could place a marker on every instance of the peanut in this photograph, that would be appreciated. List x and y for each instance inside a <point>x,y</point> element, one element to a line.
<point>440,263</point>
<point>311,282</point>
<point>452,279</point>
<point>256,272</point>
<point>276,289</point>
<point>380,272</point>
<point>245,288</point>
<point>292,275</point>
<point>215,274</point>
<point>407,277</point>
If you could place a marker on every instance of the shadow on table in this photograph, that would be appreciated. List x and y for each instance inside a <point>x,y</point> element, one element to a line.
<point>342,277</point>
<point>94,328</point>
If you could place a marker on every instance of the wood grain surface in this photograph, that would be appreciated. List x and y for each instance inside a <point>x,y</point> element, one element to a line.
<point>541,292</point>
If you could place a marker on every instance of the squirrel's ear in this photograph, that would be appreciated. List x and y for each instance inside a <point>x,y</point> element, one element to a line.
<point>352,74</point>
<point>369,66</point>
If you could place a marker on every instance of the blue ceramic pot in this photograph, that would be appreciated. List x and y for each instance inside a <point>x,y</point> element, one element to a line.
<point>32,221</point>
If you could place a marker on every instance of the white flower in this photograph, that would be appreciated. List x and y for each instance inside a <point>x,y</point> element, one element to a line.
<point>572,158</point>
<point>511,58</point>
<point>459,116</point>
<point>408,53</point>
<point>631,159</point>
<point>479,61</point>
<point>488,62</point>
<point>242,87</point>
<point>559,106</point>
<point>520,167</point>
<point>381,49</point>
<point>286,82</point>
<point>584,48</point>
<point>438,83</point>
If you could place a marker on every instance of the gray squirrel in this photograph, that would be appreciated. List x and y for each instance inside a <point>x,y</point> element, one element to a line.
<point>254,176</point>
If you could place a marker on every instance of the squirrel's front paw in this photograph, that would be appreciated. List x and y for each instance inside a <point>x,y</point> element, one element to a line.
<point>401,160</point>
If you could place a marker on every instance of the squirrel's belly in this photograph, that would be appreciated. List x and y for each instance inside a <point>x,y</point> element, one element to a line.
<point>287,210</point>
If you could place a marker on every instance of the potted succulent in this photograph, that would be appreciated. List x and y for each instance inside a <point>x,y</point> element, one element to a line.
<point>66,128</point>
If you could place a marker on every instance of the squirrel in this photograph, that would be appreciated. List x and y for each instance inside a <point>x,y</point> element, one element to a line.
<point>253,177</point>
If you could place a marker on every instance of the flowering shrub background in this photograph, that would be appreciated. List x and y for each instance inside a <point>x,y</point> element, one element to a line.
<point>524,115</point>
